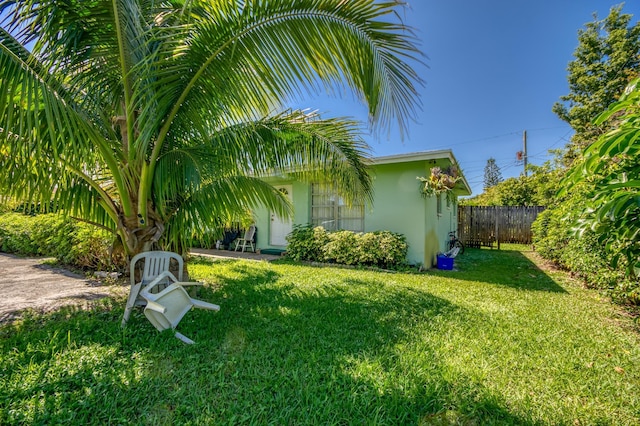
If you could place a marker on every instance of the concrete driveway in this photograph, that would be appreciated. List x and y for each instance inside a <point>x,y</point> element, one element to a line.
<point>28,283</point>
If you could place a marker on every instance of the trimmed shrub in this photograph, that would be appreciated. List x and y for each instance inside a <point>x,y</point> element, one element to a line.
<point>381,248</point>
<point>92,249</point>
<point>305,243</point>
<point>392,249</point>
<point>343,247</point>
<point>69,241</point>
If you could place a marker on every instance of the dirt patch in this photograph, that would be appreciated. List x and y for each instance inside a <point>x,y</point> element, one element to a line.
<point>28,283</point>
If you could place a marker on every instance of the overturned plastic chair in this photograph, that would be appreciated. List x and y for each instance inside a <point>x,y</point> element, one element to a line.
<point>155,264</point>
<point>166,308</point>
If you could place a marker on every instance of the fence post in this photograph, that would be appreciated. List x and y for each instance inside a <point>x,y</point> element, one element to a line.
<point>497,222</point>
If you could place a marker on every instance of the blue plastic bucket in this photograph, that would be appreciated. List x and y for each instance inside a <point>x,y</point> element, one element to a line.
<point>445,262</point>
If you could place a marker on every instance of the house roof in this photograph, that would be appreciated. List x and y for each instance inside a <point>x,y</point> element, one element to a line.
<point>415,156</point>
<point>424,156</point>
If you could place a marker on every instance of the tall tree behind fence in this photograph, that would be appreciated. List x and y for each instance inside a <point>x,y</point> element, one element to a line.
<point>485,225</point>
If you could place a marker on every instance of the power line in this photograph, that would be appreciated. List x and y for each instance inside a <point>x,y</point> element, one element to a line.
<point>517,132</point>
<point>562,138</point>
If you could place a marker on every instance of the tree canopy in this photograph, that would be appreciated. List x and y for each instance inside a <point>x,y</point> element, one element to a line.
<point>155,119</point>
<point>492,174</point>
<point>607,58</point>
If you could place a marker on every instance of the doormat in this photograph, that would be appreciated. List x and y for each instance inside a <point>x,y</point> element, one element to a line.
<point>275,252</point>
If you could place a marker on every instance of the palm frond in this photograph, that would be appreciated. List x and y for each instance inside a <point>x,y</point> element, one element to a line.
<point>251,56</point>
<point>297,143</point>
<point>42,128</point>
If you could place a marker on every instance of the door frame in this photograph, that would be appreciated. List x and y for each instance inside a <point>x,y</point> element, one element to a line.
<point>285,224</point>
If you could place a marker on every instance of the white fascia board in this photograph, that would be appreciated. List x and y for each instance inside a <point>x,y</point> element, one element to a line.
<point>414,156</point>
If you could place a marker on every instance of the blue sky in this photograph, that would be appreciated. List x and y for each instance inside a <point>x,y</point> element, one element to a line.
<point>495,68</point>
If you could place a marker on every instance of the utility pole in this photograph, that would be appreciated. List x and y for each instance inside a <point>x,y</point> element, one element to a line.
<point>524,152</point>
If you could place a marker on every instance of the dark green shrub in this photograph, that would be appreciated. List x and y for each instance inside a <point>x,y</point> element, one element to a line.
<point>582,254</point>
<point>305,243</point>
<point>69,241</point>
<point>343,247</point>
<point>382,248</point>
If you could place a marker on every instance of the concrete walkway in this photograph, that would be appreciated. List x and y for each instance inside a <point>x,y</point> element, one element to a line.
<point>28,283</point>
<point>227,254</point>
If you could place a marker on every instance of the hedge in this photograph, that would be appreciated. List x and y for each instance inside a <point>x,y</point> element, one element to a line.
<point>381,248</point>
<point>583,255</point>
<point>69,241</point>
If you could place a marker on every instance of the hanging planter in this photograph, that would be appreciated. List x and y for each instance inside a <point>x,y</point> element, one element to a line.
<point>440,181</point>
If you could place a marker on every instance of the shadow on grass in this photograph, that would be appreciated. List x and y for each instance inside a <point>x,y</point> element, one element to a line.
<point>284,349</point>
<point>509,268</point>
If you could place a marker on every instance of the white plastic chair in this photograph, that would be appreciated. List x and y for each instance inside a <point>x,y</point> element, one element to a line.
<point>165,309</point>
<point>247,239</point>
<point>155,264</point>
<point>453,252</point>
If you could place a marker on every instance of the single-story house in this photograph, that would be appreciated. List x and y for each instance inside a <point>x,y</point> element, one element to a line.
<point>398,206</point>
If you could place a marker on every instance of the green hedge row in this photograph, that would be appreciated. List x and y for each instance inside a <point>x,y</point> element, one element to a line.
<point>71,242</point>
<point>584,256</point>
<point>382,248</point>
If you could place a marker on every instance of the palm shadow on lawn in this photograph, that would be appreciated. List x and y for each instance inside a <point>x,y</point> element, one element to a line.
<point>509,268</point>
<point>319,338</point>
<point>274,351</point>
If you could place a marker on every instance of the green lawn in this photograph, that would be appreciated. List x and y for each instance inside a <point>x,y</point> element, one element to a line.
<point>498,341</point>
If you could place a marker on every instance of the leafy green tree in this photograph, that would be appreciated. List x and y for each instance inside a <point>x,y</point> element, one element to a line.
<point>155,119</point>
<point>606,60</point>
<point>612,168</point>
<point>539,188</point>
<point>492,174</point>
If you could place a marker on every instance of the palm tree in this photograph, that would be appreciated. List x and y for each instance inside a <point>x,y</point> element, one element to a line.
<point>156,118</point>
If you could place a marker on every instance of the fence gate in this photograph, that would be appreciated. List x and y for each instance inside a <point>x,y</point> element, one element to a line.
<point>485,225</point>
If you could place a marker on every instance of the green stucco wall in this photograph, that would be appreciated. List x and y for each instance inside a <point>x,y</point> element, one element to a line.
<point>437,226</point>
<point>399,207</point>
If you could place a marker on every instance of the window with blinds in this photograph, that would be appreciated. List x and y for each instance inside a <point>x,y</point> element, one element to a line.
<point>331,212</point>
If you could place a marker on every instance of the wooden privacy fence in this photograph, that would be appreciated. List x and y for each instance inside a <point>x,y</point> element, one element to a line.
<point>484,225</point>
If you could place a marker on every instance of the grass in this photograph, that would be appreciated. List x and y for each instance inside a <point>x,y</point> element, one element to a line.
<point>499,341</point>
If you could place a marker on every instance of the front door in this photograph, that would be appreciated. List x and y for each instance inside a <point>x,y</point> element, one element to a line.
<point>280,228</point>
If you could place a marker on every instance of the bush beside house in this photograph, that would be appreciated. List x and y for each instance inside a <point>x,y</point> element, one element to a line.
<point>381,248</point>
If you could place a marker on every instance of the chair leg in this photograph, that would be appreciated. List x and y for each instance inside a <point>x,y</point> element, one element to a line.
<point>131,301</point>
<point>184,338</point>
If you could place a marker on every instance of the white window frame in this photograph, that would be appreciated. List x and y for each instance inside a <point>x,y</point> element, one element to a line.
<point>330,211</point>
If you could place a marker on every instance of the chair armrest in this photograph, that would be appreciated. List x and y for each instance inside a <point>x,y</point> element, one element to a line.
<point>189,283</point>
<point>156,307</point>
<point>205,305</point>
